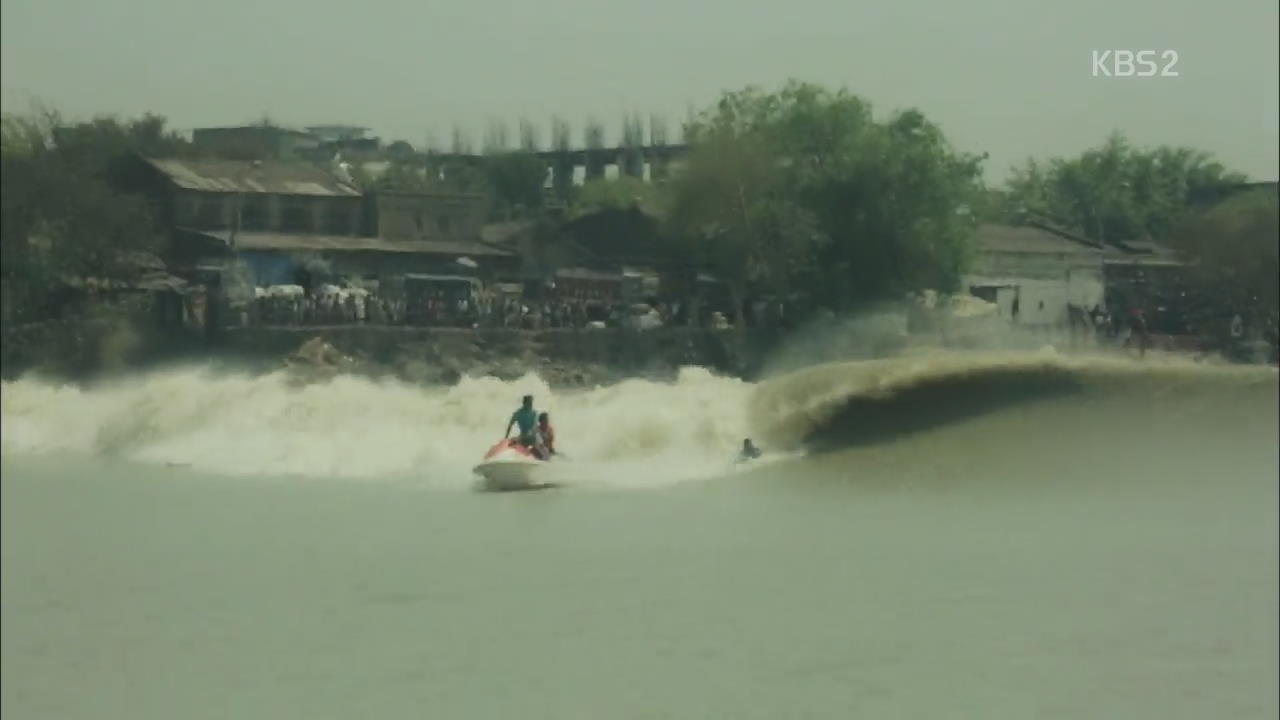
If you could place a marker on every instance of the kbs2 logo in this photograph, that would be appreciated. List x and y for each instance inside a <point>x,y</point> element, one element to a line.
<point>1128,63</point>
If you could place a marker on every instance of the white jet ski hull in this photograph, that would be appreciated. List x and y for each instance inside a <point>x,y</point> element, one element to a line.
<point>508,468</point>
<point>506,475</point>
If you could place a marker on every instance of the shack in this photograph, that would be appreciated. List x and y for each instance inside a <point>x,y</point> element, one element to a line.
<point>432,299</point>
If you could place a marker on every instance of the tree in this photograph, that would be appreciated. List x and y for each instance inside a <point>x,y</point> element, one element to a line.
<point>60,215</point>
<point>895,198</point>
<point>516,180</point>
<point>865,210</point>
<point>621,193</point>
<point>1234,249</point>
<point>400,150</point>
<point>1116,192</point>
<point>731,210</point>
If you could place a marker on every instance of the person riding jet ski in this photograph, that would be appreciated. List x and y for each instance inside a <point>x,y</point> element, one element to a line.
<point>526,418</point>
<point>546,435</point>
<point>749,451</point>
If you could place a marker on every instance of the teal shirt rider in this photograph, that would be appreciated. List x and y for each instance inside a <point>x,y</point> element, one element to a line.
<point>527,420</point>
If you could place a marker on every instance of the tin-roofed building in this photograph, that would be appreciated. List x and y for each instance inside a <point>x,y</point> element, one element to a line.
<point>286,221</point>
<point>258,196</point>
<point>1034,274</point>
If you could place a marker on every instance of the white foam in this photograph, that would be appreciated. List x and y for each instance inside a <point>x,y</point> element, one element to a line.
<point>635,433</point>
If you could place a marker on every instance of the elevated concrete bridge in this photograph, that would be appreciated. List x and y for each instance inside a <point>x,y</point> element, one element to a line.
<point>648,162</point>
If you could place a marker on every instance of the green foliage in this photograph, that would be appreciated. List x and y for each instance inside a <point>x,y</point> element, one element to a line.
<point>733,210</point>
<point>463,176</point>
<point>854,209</point>
<point>1117,192</point>
<point>400,150</point>
<point>1235,250</point>
<point>622,193</point>
<point>893,197</point>
<point>59,213</point>
<point>515,181</point>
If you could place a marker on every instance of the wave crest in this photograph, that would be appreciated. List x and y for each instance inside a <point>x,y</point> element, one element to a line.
<point>850,403</point>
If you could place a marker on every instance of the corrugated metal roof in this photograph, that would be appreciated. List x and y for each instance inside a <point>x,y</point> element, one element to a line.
<point>586,274</point>
<point>1026,239</point>
<point>234,176</point>
<point>1144,260</point>
<point>254,128</point>
<point>282,242</point>
<point>442,278</point>
<point>1150,248</point>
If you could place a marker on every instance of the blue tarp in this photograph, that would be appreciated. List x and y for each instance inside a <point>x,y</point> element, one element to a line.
<point>268,268</point>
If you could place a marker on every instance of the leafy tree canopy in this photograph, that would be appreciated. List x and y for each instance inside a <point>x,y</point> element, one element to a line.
<point>804,186</point>
<point>1234,248</point>
<point>59,213</point>
<point>1118,192</point>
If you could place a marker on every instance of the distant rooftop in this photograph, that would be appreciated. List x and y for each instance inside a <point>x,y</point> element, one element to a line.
<point>292,242</point>
<point>238,176</point>
<point>242,128</point>
<point>1028,239</point>
<point>338,132</point>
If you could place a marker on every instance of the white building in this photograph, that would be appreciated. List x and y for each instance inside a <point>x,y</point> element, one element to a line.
<point>1034,274</point>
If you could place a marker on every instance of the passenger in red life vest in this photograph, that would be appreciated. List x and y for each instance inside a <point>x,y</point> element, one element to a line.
<point>547,435</point>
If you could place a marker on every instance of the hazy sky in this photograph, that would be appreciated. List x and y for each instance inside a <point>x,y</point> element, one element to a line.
<point>1010,78</point>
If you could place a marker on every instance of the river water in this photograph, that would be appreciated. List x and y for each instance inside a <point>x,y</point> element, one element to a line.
<point>963,536</point>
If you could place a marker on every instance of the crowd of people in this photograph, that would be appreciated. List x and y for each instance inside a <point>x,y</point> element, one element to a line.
<point>1137,330</point>
<point>328,305</point>
<point>288,305</point>
<point>1129,329</point>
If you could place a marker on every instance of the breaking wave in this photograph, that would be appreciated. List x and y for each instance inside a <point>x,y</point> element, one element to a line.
<point>358,428</point>
<point>637,432</point>
<point>852,403</point>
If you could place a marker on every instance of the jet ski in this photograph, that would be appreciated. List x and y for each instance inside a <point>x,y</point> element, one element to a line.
<point>510,466</point>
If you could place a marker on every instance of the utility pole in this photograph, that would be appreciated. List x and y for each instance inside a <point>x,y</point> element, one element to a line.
<point>239,203</point>
<point>235,221</point>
